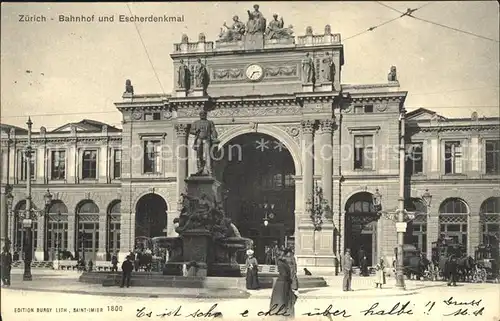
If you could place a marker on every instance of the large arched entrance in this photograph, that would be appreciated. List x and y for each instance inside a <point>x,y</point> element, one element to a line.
<point>361,227</point>
<point>150,216</point>
<point>257,173</point>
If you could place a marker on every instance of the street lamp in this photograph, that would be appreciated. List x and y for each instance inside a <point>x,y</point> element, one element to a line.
<point>377,200</point>
<point>48,202</point>
<point>9,200</point>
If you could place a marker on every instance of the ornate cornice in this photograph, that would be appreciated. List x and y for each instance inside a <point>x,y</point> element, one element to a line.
<point>452,128</point>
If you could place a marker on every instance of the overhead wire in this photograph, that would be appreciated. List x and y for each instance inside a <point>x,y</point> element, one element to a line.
<point>409,13</point>
<point>146,50</point>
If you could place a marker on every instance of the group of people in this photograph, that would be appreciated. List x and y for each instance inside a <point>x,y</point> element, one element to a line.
<point>285,289</point>
<point>347,269</point>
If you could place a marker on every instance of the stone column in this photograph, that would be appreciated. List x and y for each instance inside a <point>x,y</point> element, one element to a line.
<point>308,158</point>
<point>40,242</point>
<point>103,237</point>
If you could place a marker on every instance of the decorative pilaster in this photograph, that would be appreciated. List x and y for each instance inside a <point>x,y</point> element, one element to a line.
<point>40,238</point>
<point>182,156</point>
<point>72,246</point>
<point>308,127</point>
<point>103,237</point>
<point>432,232</point>
<point>474,233</point>
<point>4,215</point>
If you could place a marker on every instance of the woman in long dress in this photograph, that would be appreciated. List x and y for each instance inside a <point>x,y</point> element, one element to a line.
<point>284,293</point>
<point>252,271</point>
<point>380,274</point>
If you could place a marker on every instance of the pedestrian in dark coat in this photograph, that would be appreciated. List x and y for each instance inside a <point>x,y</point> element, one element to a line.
<point>6,259</point>
<point>114,263</point>
<point>292,263</point>
<point>252,278</point>
<point>127,268</point>
<point>451,270</point>
<point>347,269</point>
<point>285,292</point>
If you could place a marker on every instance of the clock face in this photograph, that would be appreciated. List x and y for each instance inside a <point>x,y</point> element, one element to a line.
<point>254,72</point>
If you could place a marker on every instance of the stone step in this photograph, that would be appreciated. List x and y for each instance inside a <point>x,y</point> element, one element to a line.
<point>159,280</point>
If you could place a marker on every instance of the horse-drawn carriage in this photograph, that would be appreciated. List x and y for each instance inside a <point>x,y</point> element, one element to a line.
<point>486,257</point>
<point>446,247</point>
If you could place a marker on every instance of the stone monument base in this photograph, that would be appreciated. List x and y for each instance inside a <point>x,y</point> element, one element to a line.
<point>199,185</point>
<point>308,87</point>
<point>181,93</point>
<point>254,41</point>
<point>325,87</point>
<point>198,92</point>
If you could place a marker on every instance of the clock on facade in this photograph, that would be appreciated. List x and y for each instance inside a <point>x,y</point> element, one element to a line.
<point>254,72</point>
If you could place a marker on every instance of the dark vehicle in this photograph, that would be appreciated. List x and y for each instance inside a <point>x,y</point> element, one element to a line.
<point>441,251</point>
<point>412,262</point>
<point>486,258</point>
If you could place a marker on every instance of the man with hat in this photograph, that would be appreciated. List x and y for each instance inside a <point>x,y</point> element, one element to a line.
<point>127,268</point>
<point>347,269</point>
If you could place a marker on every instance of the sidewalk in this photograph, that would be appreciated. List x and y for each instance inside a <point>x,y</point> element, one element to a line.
<point>67,282</point>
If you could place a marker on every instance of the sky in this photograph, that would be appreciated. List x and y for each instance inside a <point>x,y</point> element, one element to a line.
<point>78,70</point>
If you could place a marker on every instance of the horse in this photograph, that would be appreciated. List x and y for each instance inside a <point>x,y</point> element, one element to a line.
<point>465,267</point>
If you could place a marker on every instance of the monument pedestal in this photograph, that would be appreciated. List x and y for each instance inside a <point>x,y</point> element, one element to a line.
<point>325,87</point>
<point>181,93</point>
<point>199,185</point>
<point>308,87</point>
<point>197,247</point>
<point>198,92</point>
<point>254,41</point>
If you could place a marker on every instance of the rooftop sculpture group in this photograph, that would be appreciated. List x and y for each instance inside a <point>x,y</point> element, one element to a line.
<point>256,24</point>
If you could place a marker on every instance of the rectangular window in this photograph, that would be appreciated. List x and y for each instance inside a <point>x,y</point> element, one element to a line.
<point>415,159</point>
<point>89,164</point>
<point>152,116</point>
<point>117,164</point>
<point>23,160</point>
<point>452,158</point>
<point>289,180</point>
<point>152,153</point>
<point>363,152</point>
<point>58,165</point>
<point>492,157</point>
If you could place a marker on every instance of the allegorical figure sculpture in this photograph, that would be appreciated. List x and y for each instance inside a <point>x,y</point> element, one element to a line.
<point>201,76</point>
<point>233,33</point>
<point>392,76</point>
<point>129,89</point>
<point>184,80</point>
<point>328,68</point>
<point>256,21</point>
<point>276,30</point>
<point>205,137</point>
<point>308,69</point>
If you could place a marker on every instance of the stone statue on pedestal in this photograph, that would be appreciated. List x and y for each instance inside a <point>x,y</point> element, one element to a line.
<point>256,21</point>
<point>201,80</point>
<point>129,89</point>
<point>276,30</point>
<point>392,76</point>
<point>233,33</point>
<point>184,76</point>
<point>307,69</point>
<point>328,68</point>
<point>205,137</point>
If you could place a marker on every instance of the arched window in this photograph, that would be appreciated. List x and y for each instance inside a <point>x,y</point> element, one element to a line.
<point>114,217</point>
<point>57,229</point>
<point>490,220</point>
<point>419,224</point>
<point>88,230</point>
<point>453,219</point>
<point>19,231</point>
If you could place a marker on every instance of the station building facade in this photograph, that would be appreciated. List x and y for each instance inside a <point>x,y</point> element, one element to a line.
<point>290,144</point>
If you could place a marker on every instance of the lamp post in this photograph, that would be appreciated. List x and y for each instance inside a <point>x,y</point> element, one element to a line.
<point>9,199</point>
<point>27,221</point>
<point>48,202</point>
